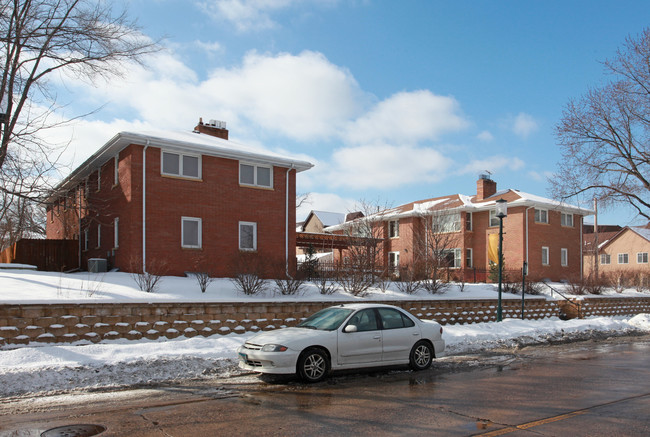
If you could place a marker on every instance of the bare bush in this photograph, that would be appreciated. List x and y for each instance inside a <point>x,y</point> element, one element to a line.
<point>325,285</point>
<point>409,282</point>
<point>250,268</point>
<point>289,286</point>
<point>534,288</point>
<point>355,281</point>
<point>203,279</point>
<point>147,280</point>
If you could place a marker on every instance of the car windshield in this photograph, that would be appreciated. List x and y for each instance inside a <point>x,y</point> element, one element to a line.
<point>328,319</point>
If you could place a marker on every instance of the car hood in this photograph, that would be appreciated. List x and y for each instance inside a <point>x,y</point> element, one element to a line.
<point>287,336</point>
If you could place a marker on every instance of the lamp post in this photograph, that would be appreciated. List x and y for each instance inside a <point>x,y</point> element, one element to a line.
<point>502,211</point>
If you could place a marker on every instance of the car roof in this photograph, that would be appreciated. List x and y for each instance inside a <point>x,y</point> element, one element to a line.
<point>358,306</point>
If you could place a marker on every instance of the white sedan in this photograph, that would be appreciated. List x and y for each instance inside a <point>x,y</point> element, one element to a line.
<point>345,337</point>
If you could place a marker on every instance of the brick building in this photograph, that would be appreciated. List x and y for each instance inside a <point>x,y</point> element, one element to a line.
<point>463,230</point>
<point>201,203</point>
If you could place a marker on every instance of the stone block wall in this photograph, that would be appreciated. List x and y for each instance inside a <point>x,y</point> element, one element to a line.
<point>68,323</point>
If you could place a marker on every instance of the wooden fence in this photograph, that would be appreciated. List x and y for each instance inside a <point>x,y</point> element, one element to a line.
<point>49,255</point>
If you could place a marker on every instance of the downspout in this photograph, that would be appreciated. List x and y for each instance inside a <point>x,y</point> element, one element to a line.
<point>526,221</point>
<point>286,226</point>
<point>144,207</point>
<point>80,236</point>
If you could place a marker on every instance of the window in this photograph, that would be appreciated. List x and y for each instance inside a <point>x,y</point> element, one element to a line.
<point>393,229</point>
<point>255,175</point>
<point>99,178</point>
<point>642,258</point>
<point>99,235</point>
<point>116,171</point>
<point>393,260</point>
<point>446,222</point>
<point>469,258</point>
<point>365,320</point>
<point>468,221</point>
<point>623,258</point>
<point>541,216</point>
<point>191,232</point>
<point>564,257</point>
<point>545,260</point>
<point>116,232</point>
<point>566,220</point>
<point>494,220</point>
<point>176,164</point>
<point>605,258</point>
<point>394,319</point>
<point>452,257</point>
<point>85,239</point>
<point>247,236</point>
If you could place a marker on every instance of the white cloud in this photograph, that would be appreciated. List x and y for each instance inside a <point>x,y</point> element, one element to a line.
<point>492,164</point>
<point>524,124</point>
<point>209,47</point>
<point>325,202</point>
<point>385,166</point>
<point>301,96</point>
<point>408,117</point>
<point>248,15</point>
<point>541,177</point>
<point>485,136</point>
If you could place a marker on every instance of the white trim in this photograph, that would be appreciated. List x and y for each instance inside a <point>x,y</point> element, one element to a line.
<point>199,231</point>
<point>470,251</point>
<point>99,235</point>
<point>116,169</point>
<point>395,257</point>
<point>640,255</point>
<point>116,232</point>
<point>395,233</point>
<point>548,256</point>
<point>564,257</point>
<point>621,255</point>
<point>254,225</point>
<point>545,216</point>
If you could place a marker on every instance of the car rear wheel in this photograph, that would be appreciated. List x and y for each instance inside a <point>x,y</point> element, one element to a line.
<point>313,365</point>
<point>421,356</point>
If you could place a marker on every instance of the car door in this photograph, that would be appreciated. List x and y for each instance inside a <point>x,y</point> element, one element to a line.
<point>363,345</point>
<point>399,334</point>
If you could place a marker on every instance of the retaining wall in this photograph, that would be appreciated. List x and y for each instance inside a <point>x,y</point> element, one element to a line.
<point>67,323</point>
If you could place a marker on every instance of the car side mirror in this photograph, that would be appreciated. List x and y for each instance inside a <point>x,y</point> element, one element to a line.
<point>350,328</point>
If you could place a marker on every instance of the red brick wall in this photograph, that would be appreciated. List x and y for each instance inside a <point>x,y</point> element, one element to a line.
<point>217,199</point>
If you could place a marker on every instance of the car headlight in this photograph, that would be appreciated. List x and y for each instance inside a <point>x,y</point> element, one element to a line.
<point>274,348</point>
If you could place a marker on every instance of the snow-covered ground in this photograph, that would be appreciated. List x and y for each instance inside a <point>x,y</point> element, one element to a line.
<point>46,368</point>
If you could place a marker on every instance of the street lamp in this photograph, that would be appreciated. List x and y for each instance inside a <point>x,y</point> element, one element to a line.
<point>502,211</point>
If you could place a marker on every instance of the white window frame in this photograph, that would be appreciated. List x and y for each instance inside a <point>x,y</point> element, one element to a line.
<point>566,220</point>
<point>469,257</point>
<point>393,228</point>
<point>116,232</point>
<point>494,220</point>
<point>116,170</point>
<point>623,258</point>
<point>395,257</point>
<point>564,257</point>
<point>86,238</point>
<point>255,169</point>
<point>198,237</point>
<point>605,259</point>
<point>458,257</point>
<point>469,221</point>
<point>446,222</point>
<point>546,253</point>
<point>538,215</point>
<point>254,225</point>
<point>181,167</point>
<point>642,258</point>
<point>99,235</point>
<point>99,179</point>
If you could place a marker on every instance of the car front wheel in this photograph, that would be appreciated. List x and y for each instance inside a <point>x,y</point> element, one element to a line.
<point>313,365</point>
<point>421,356</point>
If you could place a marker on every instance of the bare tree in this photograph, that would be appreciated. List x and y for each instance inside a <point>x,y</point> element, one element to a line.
<point>436,246</point>
<point>85,39</point>
<point>604,135</point>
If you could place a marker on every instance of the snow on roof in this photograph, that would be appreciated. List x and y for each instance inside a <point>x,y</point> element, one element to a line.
<point>329,218</point>
<point>184,141</point>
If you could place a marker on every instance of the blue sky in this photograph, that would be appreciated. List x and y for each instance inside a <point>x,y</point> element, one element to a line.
<point>393,101</point>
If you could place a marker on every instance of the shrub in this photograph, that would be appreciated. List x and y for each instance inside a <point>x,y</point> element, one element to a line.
<point>325,286</point>
<point>289,286</point>
<point>249,283</point>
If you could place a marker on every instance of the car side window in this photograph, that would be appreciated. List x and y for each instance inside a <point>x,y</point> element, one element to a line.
<point>364,320</point>
<point>393,319</point>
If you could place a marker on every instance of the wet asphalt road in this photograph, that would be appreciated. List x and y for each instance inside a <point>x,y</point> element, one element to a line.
<point>592,388</point>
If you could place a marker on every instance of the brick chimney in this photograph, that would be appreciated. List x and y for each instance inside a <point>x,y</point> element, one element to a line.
<point>215,128</point>
<point>485,187</point>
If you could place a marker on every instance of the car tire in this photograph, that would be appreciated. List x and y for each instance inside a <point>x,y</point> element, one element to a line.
<point>421,356</point>
<point>313,365</point>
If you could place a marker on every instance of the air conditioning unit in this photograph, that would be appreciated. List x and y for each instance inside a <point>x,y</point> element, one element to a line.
<point>97,265</point>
